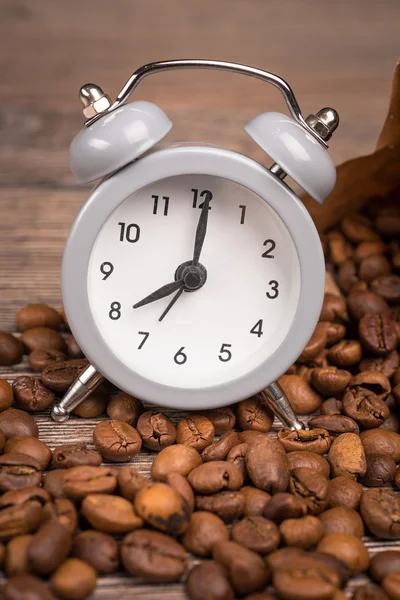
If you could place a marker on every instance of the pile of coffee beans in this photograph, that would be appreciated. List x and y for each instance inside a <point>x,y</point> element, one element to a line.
<point>230,510</point>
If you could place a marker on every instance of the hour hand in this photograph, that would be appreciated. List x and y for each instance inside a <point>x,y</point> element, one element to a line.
<point>162,292</point>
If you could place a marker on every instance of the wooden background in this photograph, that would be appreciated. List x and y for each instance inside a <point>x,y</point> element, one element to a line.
<point>339,53</point>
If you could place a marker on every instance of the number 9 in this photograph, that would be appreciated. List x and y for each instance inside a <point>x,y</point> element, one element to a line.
<point>106,268</point>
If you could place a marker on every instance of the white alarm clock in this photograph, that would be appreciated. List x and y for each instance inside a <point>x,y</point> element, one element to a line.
<point>193,276</point>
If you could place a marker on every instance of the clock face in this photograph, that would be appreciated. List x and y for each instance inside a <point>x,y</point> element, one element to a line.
<point>239,314</point>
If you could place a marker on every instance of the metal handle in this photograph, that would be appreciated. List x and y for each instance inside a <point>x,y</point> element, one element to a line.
<point>275,398</point>
<point>172,65</point>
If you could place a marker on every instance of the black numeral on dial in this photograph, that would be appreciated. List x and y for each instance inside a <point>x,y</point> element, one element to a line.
<point>130,233</point>
<point>206,194</point>
<point>257,329</point>
<point>106,268</point>
<point>115,311</point>
<point>270,248</point>
<point>224,353</point>
<point>180,357</point>
<point>243,213</point>
<point>156,202</point>
<point>146,335</point>
<point>274,292</point>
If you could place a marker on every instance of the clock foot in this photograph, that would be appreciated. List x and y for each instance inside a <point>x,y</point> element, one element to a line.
<point>79,390</point>
<point>275,398</point>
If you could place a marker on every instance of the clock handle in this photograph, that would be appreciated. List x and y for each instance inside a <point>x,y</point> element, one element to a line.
<point>82,387</point>
<point>275,398</point>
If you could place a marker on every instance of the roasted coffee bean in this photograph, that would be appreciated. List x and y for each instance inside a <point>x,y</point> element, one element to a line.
<point>362,302</point>
<point>196,431</point>
<point>153,556</point>
<point>123,407</point>
<point>335,424</point>
<point>342,519</point>
<point>30,394</point>
<point>178,458</point>
<point>93,406</point>
<point>347,275</point>
<point>223,419</point>
<point>305,579</point>
<point>345,354</point>
<point>209,580</point>
<point>19,519</point>
<point>333,563</point>
<point>164,508</point>
<point>247,571</point>
<point>53,483</point>
<point>285,506</point>
<point>40,359</point>
<point>374,381</point>
<point>339,248</point>
<point>303,398</point>
<point>249,436</point>
<point>6,395</point>
<point>60,375</point>
<point>18,471</point>
<point>73,349</point>
<point>74,580</point>
<point>391,585</point>
<point>267,465</point>
<point>386,365</point>
<point>314,440</point>
<point>365,249</point>
<point>24,444</point>
<point>181,485</point>
<point>347,548</point>
<point>216,476</point>
<point>380,509</point>
<point>204,531</point>
<point>229,506</point>
<point>332,406</point>
<point>358,228</point>
<point>334,333</point>
<point>362,405</point>
<point>75,455</point>
<point>237,456</point>
<point>220,449</point>
<point>110,514</point>
<point>42,338</point>
<point>255,501</point>
<point>378,333</point>
<point>380,470</point>
<point>330,381</point>
<point>16,559</point>
<point>62,510</point>
<point>310,460</point>
<point>310,487</point>
<point>116,441</point>
<point>98,549</point>
<point>384,563</point>
<point>378,441</point>
<point>256,533</point>
<point>314,346</point>
<point>37,315</point>
<point>304,532</point>
<point>388,287</point>
<point>11,349</point>
<point>49,547</point>
<point>334,308</point>
<point>283,556</point>
<point>254,414</point>
<point>347,457</point>
<point>18,497</point>
<point>19,586</point>
<point>130,482</point>
<point>78,482</point>
<point>17,422</point>
<point>156,430</point>
<point>374,266</point>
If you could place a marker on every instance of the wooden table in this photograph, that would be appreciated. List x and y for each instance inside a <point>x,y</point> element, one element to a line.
<point>338,53</point>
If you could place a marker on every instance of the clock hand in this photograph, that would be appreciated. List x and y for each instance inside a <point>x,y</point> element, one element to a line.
<point>162,292</point>
<point>170,305</point>
<point>201,231</point>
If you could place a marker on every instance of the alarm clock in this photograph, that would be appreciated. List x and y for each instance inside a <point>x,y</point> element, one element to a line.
<point>193,276</point>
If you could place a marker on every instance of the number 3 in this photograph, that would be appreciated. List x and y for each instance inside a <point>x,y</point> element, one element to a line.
<point>275,291</point>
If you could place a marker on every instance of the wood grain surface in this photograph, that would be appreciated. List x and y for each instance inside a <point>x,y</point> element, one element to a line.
<point>338,53</point>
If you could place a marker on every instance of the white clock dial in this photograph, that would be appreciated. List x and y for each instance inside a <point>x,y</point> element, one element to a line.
<point>217,333</point>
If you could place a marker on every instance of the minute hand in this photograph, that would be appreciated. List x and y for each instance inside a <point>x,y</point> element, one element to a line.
<point>201,231</point>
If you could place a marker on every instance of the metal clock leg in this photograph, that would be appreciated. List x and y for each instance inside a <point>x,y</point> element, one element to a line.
<point>275,398</point>
<point>79,390</point>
